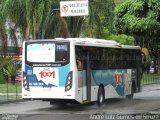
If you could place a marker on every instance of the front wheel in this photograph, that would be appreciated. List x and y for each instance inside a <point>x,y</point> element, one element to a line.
<point>101,97</point>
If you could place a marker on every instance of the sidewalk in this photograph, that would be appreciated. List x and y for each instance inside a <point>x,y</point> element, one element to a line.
<point>151,87</point>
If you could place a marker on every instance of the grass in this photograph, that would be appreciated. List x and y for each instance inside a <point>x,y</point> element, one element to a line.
<point>10,88</point>
<point>151,78</point>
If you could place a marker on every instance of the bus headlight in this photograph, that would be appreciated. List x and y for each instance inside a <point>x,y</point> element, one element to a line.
<point>69,82</point>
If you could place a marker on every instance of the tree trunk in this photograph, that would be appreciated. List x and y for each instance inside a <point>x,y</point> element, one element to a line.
<point>27,35</point>
<point>66,32</point>
<point>4,40</point>
<point>13,79</point>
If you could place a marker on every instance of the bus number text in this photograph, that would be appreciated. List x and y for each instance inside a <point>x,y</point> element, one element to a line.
<point>47,74</point>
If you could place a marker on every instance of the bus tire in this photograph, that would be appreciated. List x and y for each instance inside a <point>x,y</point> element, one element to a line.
<point>130,97</point>
<point>101,96</point>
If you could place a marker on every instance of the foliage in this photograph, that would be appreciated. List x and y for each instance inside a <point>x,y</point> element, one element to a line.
<point>11,69</point>
<point>97,22</point>
<point>2,78</point>
<point>4,61</point>
<point>123,39</point>
<point>41,19</point>
<point>140,18</point>
<point>29,15</point>
<point>151,79</point>
<point>3,36</point>
<point>117,2</point>
<point>146,60</point>
<point>146,57</point>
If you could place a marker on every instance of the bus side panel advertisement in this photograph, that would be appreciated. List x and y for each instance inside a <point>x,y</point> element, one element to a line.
<point>114,78</point>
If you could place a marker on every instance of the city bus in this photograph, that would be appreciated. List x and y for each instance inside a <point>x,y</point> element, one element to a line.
<point>80,70</point>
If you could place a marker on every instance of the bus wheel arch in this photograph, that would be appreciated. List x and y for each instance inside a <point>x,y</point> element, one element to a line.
<point>101,95</point>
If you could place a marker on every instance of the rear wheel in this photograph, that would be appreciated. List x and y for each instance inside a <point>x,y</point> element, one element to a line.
<point>130,97</point>
<point>101,97</point>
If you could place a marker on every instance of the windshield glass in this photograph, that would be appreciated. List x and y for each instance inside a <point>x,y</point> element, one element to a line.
<point>47,52</point>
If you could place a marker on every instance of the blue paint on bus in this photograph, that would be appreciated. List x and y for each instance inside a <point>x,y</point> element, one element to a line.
<point>107,77</point>
<point>33,80</point>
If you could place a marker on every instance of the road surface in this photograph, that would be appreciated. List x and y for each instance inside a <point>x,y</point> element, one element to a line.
<point>146,102</point>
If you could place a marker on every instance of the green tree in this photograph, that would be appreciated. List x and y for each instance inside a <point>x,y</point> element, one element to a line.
<point>123,39</point>
<point>117,2</point>
<point>41,19</point>
<point>10,70</point>
<point>4,61</point>
<point>29,15</point>
<point>3,36</point>
<point>140,18</point>
<point>100,19</point>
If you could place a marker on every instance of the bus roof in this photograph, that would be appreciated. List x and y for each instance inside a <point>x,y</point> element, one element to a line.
<point>91,42</point>
<point>100,43</point>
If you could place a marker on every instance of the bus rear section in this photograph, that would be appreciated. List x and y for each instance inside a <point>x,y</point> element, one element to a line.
<point>46,70</point>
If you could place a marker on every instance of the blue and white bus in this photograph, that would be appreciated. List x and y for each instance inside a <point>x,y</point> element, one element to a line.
<point>80,69</point>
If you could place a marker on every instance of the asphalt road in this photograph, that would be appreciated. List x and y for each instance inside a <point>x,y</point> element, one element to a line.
<point>144,103</point>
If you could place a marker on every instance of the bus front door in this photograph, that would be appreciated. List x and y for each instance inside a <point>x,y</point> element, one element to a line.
<point>87,79</point>
<point>84,75</point>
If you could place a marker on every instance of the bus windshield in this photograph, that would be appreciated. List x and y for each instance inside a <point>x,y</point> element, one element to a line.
<point>47,52</point>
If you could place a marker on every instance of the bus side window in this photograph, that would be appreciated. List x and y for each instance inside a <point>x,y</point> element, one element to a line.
<point>79,64</point>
